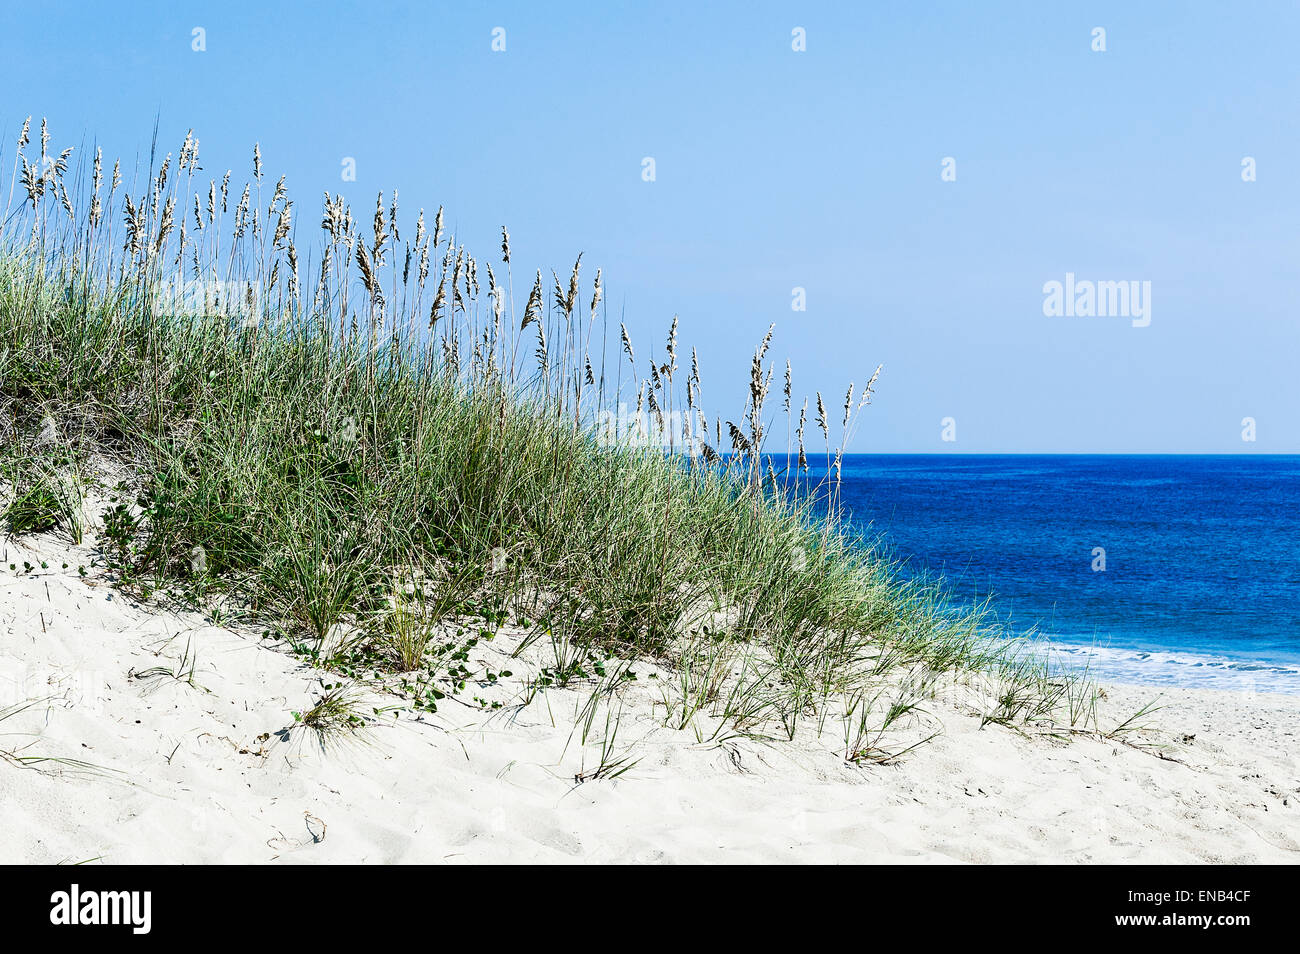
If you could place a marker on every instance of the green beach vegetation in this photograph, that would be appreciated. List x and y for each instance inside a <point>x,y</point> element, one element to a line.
<point>354,437</point>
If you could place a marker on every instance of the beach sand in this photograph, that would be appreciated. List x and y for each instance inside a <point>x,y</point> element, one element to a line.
<point>218,772</point>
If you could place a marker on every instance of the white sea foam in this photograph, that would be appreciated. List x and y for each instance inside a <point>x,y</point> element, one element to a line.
<point>1178,668</point>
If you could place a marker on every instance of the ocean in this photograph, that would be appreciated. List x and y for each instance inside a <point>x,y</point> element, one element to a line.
<point>1153,570</point>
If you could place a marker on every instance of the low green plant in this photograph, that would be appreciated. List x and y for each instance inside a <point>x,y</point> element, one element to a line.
<point>43,499</point>
<point>338,713</point>
<point>183,671</point>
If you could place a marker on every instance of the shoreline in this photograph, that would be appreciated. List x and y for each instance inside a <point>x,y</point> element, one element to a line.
<point>1189,671</point>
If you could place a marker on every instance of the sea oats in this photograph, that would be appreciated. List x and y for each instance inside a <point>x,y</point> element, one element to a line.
<point>767,340</point>
<point>738,440</point>
<point>803,417</point>
<point>276,196</point>
<point>241,213</point>
<point>367,271</point>
<point>627,344</point>
<point>281,227</point>
<point>533,310</point>
<point>183,160</point>
<point>571,299</point>
<point>165,224</point>
<point>671,348</point>
<point>34,184</point>
<point>439,299</point>
<point>543,353</point>
<point>336,219</point>
<point>134,221</point>
<point>557,292</point>
<point>455,279</point>
<point>498,302</point>
<point>658,413</point>
<point>381,234</point>
<point>869,388</point>
<point>61,163</point>
<point>595,297</point>
<point>96,207</point>
<point>160,185</point>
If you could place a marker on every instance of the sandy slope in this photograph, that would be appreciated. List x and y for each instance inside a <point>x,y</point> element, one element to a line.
<point>209,774</point>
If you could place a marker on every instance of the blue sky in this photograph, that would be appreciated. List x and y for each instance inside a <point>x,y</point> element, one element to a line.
<point>778,169</point>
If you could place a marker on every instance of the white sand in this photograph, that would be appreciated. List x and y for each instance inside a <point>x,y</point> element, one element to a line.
<point>203,775</point>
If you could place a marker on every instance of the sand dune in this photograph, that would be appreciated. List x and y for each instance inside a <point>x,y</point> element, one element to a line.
<point>216,771</point>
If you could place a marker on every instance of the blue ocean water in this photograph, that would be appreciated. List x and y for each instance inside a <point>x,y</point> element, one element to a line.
<point>1201,585</point>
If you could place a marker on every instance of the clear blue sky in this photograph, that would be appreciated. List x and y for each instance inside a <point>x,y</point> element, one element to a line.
<point>776,169</point>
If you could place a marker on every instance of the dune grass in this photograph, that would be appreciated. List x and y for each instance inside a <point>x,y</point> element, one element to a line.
<point>362,444</point>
